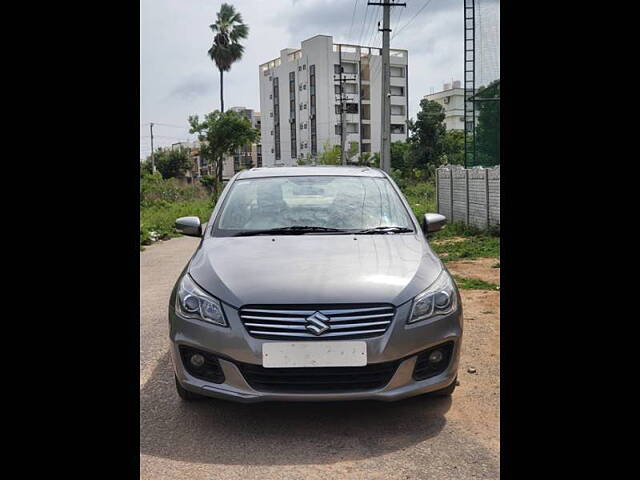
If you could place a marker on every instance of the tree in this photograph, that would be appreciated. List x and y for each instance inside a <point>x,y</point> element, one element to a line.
<point>488,128</point>
<point>399,152</point>
<point>331,155</point>
<point>221,134</point>
<point>454,147</point>
<point>226,48</point>
<point>173,162</point>
<point>427,140</point>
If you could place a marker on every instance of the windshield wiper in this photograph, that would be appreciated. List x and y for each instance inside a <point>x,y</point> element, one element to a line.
<point>378,230</point>
<point>293,230</point>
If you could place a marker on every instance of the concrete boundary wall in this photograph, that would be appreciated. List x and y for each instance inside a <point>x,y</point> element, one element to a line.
<point>469,195</point>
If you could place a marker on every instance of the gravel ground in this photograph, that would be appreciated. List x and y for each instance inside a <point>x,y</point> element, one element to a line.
<point>438,438</point>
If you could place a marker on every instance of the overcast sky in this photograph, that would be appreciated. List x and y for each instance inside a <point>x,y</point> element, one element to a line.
<point>178,79</point>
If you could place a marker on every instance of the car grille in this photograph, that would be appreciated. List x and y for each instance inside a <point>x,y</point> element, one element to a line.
<point>344,321</point>
<point>318,379</point>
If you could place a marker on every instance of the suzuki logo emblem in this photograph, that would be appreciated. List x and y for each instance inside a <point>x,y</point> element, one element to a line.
<point>318,323</point>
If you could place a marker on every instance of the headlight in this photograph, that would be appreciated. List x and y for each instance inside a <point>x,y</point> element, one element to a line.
<point>439,299</point>
<point>193,302</point>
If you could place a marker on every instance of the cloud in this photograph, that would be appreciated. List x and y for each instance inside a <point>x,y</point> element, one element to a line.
<point>194,87</point>
<point>178,79</point>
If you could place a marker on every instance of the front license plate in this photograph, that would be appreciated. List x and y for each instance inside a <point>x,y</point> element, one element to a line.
<point>314,354</point>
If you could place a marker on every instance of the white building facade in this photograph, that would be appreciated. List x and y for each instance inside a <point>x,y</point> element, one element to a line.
<point>452,99</point>
<point>300,100</point>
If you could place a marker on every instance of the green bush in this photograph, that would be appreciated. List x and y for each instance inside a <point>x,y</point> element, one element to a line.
<point>154,191</point>
<point>163,201</point>
<point>421,197</point>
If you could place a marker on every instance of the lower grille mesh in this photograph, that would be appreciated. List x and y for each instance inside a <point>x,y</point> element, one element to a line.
<point>319,379</point>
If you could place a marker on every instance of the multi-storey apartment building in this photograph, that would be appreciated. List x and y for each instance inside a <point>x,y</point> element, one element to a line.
<point>300,99</point>
<point>452,99</point>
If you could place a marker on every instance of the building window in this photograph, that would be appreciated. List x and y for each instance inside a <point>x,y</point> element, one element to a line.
<point>396,91</point>
<point>349,67</point>
<point>397,109</point>
<point>397,71</point>
<point>337,109</point>
<point>299,68</point>
<point>336,69</point>
<point>397,128</point>
<point>304,67</point>
<point>352,108</point>
<point>350,88</point>
<point>352,128</point>
<point>338,129</point>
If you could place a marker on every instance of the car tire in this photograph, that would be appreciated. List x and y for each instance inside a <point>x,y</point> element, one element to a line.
<point>186,395</point>
<point>446,392</point>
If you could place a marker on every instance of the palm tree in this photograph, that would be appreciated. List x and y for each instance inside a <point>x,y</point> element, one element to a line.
<point>226,49</point>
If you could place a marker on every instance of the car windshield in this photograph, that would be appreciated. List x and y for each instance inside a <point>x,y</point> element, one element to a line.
<point>312,204</point>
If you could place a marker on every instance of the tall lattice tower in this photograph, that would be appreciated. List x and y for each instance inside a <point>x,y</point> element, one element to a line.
<point>482,82</point>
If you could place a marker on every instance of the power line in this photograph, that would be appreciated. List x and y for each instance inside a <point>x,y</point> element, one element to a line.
<point>366,14</point>
<point>353,15</point>
<point>412,18</point>
<point>164,125</point>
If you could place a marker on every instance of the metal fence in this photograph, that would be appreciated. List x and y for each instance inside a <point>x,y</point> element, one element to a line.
<point>469,195</point>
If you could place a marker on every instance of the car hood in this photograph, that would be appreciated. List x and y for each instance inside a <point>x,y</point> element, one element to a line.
<point>315,269</point>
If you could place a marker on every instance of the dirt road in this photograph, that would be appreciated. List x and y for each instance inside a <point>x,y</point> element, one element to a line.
<point>418,438</point>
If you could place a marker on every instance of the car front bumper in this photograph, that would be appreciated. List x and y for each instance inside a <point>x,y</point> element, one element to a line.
<point>233,344</point>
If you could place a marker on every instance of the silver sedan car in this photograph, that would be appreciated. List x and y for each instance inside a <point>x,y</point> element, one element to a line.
<point>314,284</point>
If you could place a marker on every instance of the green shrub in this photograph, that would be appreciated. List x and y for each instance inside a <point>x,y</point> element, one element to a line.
<point>163,201</point>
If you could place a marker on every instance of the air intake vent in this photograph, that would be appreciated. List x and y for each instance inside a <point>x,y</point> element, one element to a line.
<point>319,379</point>
<point>298,321</point>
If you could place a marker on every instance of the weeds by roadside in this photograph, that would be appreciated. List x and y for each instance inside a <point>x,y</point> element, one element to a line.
<point>458,241</point>
<point>474,284</point>
<point>162,201</point>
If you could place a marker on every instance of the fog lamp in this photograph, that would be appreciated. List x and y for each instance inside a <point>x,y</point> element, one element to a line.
<point>434,357</point>
<point>197,360</point>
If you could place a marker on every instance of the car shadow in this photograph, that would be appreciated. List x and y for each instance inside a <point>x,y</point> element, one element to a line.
<point>222,432</point>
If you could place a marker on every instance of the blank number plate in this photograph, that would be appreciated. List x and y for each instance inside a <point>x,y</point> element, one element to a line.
<point>314,354</point>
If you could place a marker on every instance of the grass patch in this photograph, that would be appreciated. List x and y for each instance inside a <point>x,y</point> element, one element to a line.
<point>159,221</point>
<point>474,284</point>
<point>163,201</point>
<point>421,197</point>
<point>476,243</point>
<point>482,246</point>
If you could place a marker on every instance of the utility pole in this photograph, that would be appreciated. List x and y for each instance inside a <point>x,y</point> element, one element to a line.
<point>342,99</point>
<point>343,117</point>
<point>385,152</point>
<point>153,163</point>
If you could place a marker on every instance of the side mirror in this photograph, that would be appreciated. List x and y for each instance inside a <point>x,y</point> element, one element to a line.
<point>189,226</point>
<point>433,222</point>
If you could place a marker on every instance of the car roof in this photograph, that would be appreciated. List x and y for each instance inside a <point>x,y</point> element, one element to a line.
<point>320,170</point>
